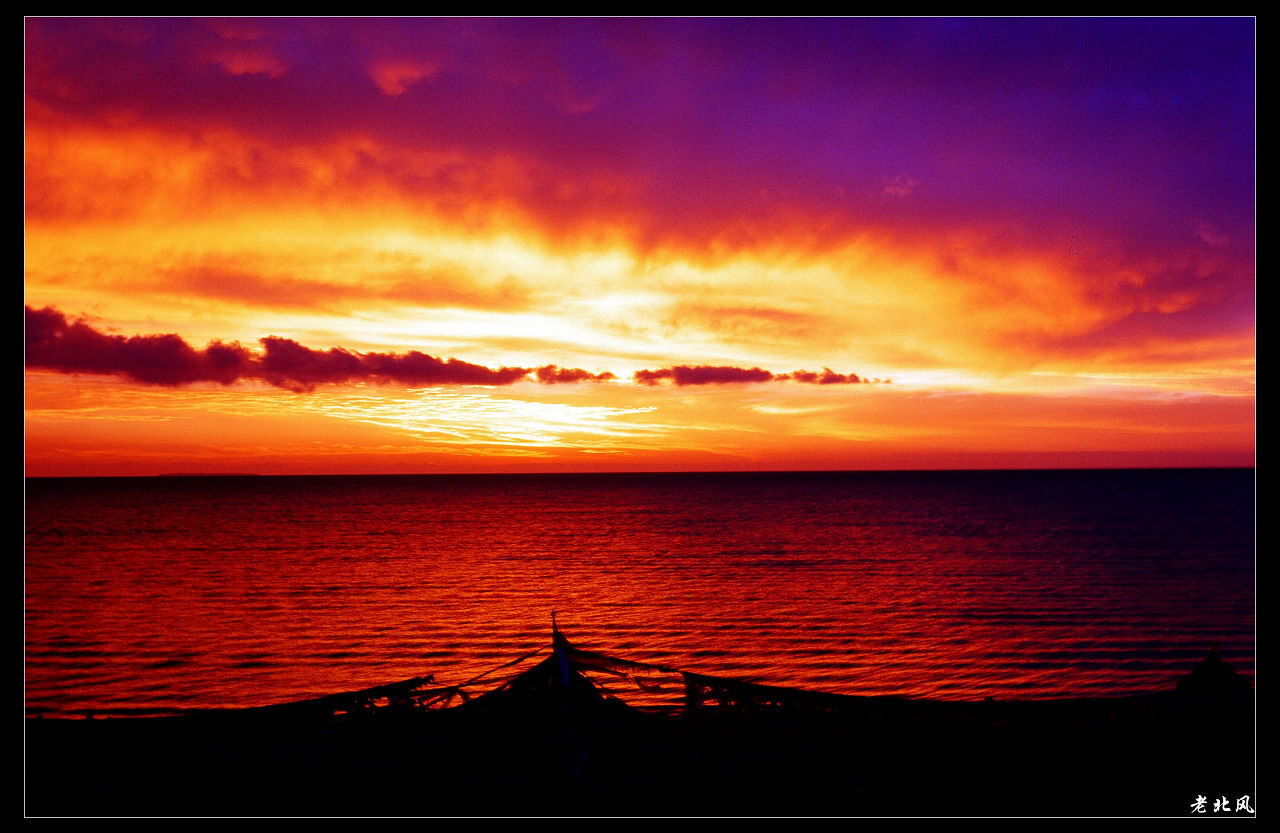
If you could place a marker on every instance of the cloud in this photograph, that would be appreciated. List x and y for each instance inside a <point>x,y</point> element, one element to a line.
<point>551,375</point>
<point>55,343</point>
<point>288,364</point>
<point>683,375</point>
<point>393,77</point>
<point>760,322</point>
<point>826,377</point>
<point>1210,234</point>
<point>248,60</point>
<point>422,287</point>
<point>703,375</point>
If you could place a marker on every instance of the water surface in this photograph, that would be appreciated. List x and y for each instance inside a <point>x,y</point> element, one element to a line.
<point>159,593</point>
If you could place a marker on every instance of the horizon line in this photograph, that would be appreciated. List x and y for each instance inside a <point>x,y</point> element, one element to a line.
<point>953,470</point>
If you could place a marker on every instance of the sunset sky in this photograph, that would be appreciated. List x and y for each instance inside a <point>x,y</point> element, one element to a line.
<point>359,246</point>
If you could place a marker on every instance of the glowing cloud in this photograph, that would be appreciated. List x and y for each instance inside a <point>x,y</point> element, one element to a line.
<point>394,77</point>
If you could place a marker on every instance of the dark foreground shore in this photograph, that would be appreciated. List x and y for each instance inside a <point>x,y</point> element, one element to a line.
<point>530,750</point>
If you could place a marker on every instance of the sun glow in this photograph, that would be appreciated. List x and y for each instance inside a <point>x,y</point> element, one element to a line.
<point>485,419</point>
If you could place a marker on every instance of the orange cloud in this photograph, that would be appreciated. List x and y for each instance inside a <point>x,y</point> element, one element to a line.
<point>394,77</point>
<point>247,59</point>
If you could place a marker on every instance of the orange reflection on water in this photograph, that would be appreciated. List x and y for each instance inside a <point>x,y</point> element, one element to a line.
<point>173,593</point>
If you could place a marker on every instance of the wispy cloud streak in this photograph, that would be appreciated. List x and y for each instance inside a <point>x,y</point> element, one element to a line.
<point>683,375</point>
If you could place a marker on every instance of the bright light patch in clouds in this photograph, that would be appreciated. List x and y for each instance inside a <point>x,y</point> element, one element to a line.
<point>483,419</point>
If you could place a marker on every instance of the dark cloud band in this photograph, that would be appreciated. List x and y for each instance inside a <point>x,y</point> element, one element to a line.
<point>54,342</point>
<point>683,375</point>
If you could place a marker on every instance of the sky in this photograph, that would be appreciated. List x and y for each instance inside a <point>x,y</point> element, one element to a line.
<point>293,246</point>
